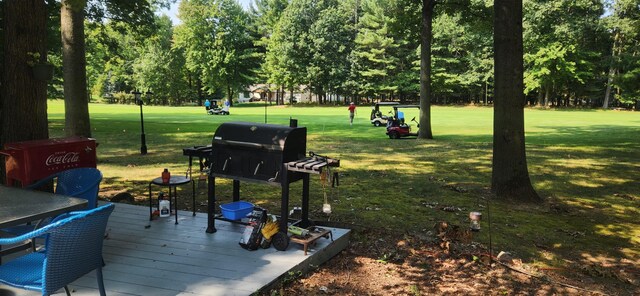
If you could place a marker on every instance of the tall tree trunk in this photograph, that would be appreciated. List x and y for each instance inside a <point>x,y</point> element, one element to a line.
<point>547,95</point>
<point>510,176</point>
<point>23,114</point>
<point>425,70</point>
<point>291,96</point>
<point>74,62</point>
<point>199,91</point>
<point>486,92</point>
<point>231,94</point>
<point>612,71</point>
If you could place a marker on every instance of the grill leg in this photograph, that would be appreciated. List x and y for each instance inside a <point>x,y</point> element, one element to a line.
<point>150,204</point>
<point>236,190</point>
<point>305,200</point>
<point>284,206</point>
<point>211,205</point>
<point>193,197</point>
<point>175,200</point>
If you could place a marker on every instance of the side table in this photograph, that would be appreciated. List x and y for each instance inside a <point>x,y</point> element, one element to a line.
<point>173,183</point>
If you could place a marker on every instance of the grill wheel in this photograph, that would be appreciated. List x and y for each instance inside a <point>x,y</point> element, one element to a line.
<point>280,241</point>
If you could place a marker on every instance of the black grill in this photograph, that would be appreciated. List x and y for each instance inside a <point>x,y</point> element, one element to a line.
<point>263,153</point>
<point>256,152</point>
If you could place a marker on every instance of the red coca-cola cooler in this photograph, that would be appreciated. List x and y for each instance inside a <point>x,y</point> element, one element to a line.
<point>29,161</point>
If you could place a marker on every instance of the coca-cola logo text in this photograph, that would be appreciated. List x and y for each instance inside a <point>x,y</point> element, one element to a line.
<point>62,158</point>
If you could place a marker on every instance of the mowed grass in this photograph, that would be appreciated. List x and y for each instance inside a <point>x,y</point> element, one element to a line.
<point>585,164</point>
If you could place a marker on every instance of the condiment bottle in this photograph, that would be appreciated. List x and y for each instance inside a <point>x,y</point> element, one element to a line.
<point>166,176</point>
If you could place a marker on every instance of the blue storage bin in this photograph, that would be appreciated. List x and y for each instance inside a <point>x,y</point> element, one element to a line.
<point>236,210</point>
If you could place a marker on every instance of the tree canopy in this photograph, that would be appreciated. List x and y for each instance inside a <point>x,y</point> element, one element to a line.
<point>577,53</point>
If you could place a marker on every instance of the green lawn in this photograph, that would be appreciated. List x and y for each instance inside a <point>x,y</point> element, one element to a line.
<point>585,163</point>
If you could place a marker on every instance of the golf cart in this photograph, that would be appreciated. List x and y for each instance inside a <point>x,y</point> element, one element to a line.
<point>377,119</point>
<point>219,111</point>
<point>397,127</point>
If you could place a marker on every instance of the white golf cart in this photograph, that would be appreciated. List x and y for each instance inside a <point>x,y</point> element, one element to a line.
<point>377,119</point>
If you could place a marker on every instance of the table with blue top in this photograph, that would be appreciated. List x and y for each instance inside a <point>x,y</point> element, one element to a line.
<point>173,183</point>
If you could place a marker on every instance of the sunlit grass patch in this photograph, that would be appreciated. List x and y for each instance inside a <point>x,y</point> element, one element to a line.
<point>584,164</point>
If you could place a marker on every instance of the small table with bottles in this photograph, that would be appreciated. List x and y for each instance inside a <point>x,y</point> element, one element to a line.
<point>173,183</point>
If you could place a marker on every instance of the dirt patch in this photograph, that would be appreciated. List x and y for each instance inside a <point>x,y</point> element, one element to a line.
<point>382,263</point>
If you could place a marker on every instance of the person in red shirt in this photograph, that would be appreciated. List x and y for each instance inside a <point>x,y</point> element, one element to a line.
<point>352,112</point>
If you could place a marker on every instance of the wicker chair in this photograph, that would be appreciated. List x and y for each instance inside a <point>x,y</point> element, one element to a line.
<point>73,249</point>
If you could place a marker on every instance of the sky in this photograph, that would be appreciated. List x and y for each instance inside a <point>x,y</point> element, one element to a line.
<point>173,12</point>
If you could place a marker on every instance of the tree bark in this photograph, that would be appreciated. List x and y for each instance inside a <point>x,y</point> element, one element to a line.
<point>425,70</point>
<point>24,104</point>
<point>74,62</point>
<point>612,71</point>
<point>291,97</point>
<point>23,114</point>
<point>510,176</point>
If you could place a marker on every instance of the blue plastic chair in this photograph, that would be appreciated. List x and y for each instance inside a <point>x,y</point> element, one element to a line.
<point>78,182</point>
<point>73,249</point>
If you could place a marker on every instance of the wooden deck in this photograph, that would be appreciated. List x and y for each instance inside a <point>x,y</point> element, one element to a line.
<point>169,259</point>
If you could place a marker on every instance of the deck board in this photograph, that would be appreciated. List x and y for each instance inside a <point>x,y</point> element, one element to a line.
<point>169,259</point>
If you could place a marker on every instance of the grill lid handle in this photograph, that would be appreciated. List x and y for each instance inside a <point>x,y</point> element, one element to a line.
<point>274,177</point>
<point>224,166</point>
<point>257,168</point>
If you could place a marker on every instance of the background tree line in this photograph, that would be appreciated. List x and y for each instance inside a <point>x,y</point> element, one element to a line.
<point>577,52</point>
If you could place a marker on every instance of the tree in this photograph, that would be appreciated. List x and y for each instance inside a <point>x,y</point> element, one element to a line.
<point>551,69</point>
<point>289,52</point>
<point>624,65</point>
<point>425,69</point>
<point>462,51</point>
<point>24,98</point>
<point>405,26</point>
<point>564,45</point>
<point>72,19</point>
<point>74,63</point>
<point>265,16</point>
<point>373,53</point>
<point>510,176</point>
<point>159,68</point>
<point>217,44</point>
<point>332,37</point>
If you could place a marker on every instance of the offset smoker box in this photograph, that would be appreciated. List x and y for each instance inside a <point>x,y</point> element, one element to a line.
<point>256,152</point>
<point>29,161</point>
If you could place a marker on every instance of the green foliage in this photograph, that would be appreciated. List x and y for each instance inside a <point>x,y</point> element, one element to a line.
<point>364,48</point>
<point>373,59</point>
<point>550,67</point>
<point>216,44</point>
<point>331,43</point>
<point>289,49</point>
<point>624,24</point>
<point>564,45</point>
<point>157,61</point>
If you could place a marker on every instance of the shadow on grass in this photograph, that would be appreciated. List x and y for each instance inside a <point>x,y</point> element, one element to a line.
<point>587,175</point>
